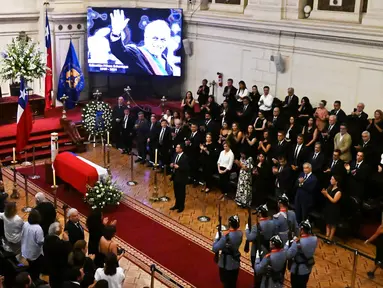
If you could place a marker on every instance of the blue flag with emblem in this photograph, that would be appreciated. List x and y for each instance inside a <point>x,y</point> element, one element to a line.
<point>71,81</point>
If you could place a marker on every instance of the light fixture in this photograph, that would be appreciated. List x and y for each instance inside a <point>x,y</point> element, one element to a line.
<point>307,9</point>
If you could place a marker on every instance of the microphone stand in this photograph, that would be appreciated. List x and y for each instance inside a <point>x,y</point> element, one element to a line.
<point>203,217</point>
<point>131,182</point>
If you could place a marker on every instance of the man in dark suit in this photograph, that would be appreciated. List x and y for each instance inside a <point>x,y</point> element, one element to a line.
<point>338,112</point>
<point>117,115</point>
<point>369,150</point>
<point>180,168</point>
<point>279,148</point>
<point>357,122</point>
<point>229,93</point>
<point>317,160</point>
<point>283,177</point>
<point>154,130</point>
<point>335,167</point>
<point>142,132</point>
<point>203,93</point>
<point>73,227</point>
<point>74,278</point>
<point>192,150</point>
<point>47,212</point>
<point>327,137</point>
<point>298,155</point>
<point>245,113</point>
<point>179,133</point>
<point>164,143</point>
<point>290,106</point>
<point>305,195</point>
<point>275,123</point>
<point>127,128</point>
<point>56,253</point>
<point>358,174</point>
<point>210,126</point>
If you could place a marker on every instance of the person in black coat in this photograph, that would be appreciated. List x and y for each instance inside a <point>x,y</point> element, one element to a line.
<point>357,122</point>
<point>56,253</point>
<point>74,277</point>
<point>164,143</point>
<point>73,227</point>
<point>229,93</point>
<point>47,212</point>
<point>276,123</point>
<point>180,176</point>
<point>153,135</point>
<point>192,150</point>
<point>142,132</point>
<point>317,160</point>
<point>245,114</point>
<point>179,133</point>
<point>127,128</point>
<point>291,103</point>
<point>334,167</point>
<point>292,130</point>
<point>358,173</point>
<point>279,148</point>
<point>283,177</point>
<point>227,114</point>
<point>298,155</point>
<point>211,126</point>
<point>338,112</point>
<point>254,97</point>
<point>326,137</point>
<point>203,93</point>
<point>208,161</point>
<point>117,115</point>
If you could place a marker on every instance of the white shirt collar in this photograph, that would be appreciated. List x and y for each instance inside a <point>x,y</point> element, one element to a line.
<point>359,163</point>
<point>308,175</point>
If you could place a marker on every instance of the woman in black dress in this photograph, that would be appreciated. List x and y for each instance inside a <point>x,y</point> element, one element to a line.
<point>187,103</point>
<point>212,107</point>
<point>96,224</point>
<point>376,129</point>
<point>292,130</point>
<point>332,208</point>
<point>255,96</point>
<point>378,238</point>
<point>208,160</point>
<point>264,145</point>
<point>305,111</point>
<point>260,125</point>
<point>261,180</point>
<point>310,134</point>
<point>249,142</point>
<point>234,139</point>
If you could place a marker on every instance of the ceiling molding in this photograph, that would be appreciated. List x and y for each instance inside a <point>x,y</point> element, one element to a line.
<point>19,17</point>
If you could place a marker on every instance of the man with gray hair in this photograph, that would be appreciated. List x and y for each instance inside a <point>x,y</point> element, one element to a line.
<point>290,106</point>
<point>73,226</point>
<point>56,252</point>
<point>47,211</point>
<point>368,148</point>
<point>304,197</point>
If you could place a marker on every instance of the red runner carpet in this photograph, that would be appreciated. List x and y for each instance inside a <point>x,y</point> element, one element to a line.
<point>171,250</point>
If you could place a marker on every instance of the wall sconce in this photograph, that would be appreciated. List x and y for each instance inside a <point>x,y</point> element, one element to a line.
<point>307,9</point>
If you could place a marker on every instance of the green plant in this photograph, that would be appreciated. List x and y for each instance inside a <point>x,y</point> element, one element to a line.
<point>104,193</point>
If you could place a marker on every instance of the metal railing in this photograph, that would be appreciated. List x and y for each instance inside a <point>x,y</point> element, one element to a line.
<point>154,270</point>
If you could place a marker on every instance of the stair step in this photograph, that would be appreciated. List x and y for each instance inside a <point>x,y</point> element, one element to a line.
<point>39,146</point>
<point>12,142</point>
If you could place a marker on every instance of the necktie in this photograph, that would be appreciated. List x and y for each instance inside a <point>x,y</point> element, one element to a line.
<point>336,113</point>
<point>126,121</point>
<point>151,126</point>
<point>177,131</point>
<point>244,108</point>
<point>329,128</point>
<point>289,100</point>
<point>333,163</point>
<point>315,156</point>
<point>364,144</point>
<point>304,178</point>
<point>279,143</point>
<point>296,152</point>
<point>79,226</point>
<point>357,166</point>
<point>177,158</point>
<point>193,134</point>
<point>162,135</point>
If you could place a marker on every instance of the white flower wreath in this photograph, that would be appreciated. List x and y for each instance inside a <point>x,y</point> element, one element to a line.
<point>97,117</point>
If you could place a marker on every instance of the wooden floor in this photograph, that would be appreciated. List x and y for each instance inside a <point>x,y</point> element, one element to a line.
<point>333,264</point>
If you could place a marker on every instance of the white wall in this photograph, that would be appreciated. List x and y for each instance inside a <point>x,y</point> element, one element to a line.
<point>323,60</point>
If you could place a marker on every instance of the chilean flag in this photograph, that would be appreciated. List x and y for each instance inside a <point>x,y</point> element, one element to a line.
<point>24,119</point>
<point>48,75</point>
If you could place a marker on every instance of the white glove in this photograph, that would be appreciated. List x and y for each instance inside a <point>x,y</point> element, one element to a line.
<point>216,236</point>
<point>247,226</point>
<point>257,255</point>
<point>295,238</point>
<point>287,243</point>
<point>118,21</point>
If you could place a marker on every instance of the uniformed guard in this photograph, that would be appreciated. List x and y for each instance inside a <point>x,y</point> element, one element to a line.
<point>266,229</point>
<point>285,220</point>
<point>302,251</point>
<point>272,266</point>
<point>229,259</point>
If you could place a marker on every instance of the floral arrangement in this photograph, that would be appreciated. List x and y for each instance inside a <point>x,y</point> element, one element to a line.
<point>22,58</point>
<point>97,117</point>
<point>104,193</point>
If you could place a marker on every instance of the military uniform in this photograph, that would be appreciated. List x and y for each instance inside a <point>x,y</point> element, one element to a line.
<point>302,252</point>
<point>229,259</point>
<point>272,268</point>
<point>281,221</point>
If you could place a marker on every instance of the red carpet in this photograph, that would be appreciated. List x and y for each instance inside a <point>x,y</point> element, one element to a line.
<point>171,250</point>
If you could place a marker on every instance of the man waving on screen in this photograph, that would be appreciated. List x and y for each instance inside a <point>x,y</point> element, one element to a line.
<point>151,58</point>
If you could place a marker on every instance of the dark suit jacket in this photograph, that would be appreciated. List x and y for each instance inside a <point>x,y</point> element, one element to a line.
<point>246,118</point>
<point>356,125</point>
<point>193,149</point>
<point>142,131</point>
<point>317,163</point>
<point>70,284</point>
<point>341,117</point>
<point>279,150</point>
<point>203,95</point>
<point>179,138</point>
<point>292,107</point>
<point>285,178</point>
<point>370,155</point>
<point>213,128</point>
<point>118,112</point>
<point>358,180</point>
<point>301,157</point>
<point>56,253</point>
<point>129,124</point>
<point>278,124</point>
<point>181,175</point>
<point>48,215</point>
<point>166,141</point>
<point>308,187</point>
<point>230,97</point>
<point>74,232</point>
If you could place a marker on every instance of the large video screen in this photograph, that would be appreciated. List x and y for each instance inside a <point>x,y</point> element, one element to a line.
<point>135,41</point>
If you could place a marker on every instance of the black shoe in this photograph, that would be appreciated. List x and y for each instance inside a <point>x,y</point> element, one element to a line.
<point>371,275</point>
<point>180,210</point>
<point>173,208</point>
<point>137,160</point>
